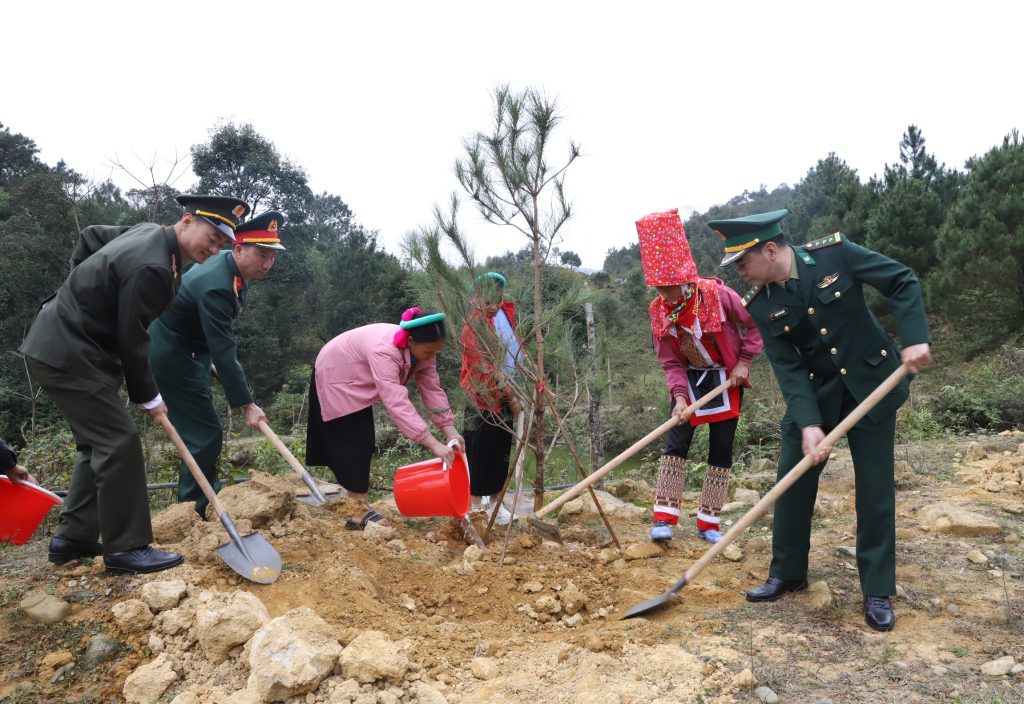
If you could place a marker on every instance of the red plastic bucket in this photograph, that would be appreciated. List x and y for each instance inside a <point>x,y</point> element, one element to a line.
<point>431,488</point>
<point>23,507</point>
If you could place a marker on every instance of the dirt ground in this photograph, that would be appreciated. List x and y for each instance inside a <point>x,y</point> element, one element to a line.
<point>953,614</point>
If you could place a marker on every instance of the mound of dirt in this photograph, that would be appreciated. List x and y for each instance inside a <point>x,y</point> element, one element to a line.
<point>173,524</point>
<point>259,501</point>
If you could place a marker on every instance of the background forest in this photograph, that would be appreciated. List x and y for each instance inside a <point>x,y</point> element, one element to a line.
<point>961,230</point>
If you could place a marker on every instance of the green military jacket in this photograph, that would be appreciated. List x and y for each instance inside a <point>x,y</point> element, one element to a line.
<point>824,337</point>
<point>96,325</point>
<point>196,331</point>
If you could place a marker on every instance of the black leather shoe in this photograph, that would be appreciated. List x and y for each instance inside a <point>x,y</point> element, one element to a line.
<point>878,613</point>
<point>141,561</point>
<point>774,588</point>
<point>65,549</point>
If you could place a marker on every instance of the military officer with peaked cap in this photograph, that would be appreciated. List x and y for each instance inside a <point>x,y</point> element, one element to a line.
<point>195,335</point>
<point>91,337</point>
<point>829,353</point>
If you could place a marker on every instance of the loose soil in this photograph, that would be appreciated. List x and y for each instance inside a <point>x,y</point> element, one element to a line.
<point>449,611</point>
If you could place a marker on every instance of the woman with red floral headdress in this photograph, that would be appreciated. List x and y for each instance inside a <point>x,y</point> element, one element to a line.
<point>696,323</point>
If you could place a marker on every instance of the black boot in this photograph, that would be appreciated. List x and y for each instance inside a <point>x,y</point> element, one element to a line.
<point>774,588</point>
<point>141,561</point>
<point>878,613</point>
<point>65,549</point>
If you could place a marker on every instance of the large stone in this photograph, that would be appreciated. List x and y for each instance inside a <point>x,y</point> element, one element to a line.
<point>429,695</point>
<point>744,680</point>
<point>944,517</point>
<point>178,620</point>
<point>161,596</point>
<point>224,621</point>
<point>975,452</point>
<point>292,655</point>
<point>371,657</point>
<point>100,650</point>
<point>473,553</point>
<point>51,661</point>
<point>484,668</point>
<point>733,552</point>
<point>132,616</point>
<point>572,600</point>
<point>746,496</point>
<point>766,695</point>
<point>609,504</point>
<point>572,508</point>
<point>347,691</point>
<point>756,544</point>
<point>977,557</point>
<point>642,550</point>
<point>999,667</point>
<point>45,608</point>
<point>376,533</point>
<point>547,605</point>
<point>174,524</point>
<point>819,596</point>
<point>149,682</point>
<point>263,499</point>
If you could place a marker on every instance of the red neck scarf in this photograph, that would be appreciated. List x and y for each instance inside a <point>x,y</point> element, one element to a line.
<point>705,308</point>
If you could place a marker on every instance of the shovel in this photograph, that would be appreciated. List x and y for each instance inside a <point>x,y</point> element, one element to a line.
<point>772,496</point>
<point>251,556</point>
<point>317,497</point>
<point>550,532</point>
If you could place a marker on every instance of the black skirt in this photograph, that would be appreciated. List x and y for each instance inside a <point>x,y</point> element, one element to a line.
<point>488,448</point>
<point>345,445</point>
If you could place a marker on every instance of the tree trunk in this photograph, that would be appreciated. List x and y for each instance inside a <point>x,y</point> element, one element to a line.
<point>594,411</point>
<point>538,485</point>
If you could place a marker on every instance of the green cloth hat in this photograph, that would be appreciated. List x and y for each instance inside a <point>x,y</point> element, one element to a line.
<point>261,231</point>
<point>223,212</point>
<point>740,234</point>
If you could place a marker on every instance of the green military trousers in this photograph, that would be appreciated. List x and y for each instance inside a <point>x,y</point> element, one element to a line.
<point>190,409</point>
<point>107,498</point>
<point>871,445</point>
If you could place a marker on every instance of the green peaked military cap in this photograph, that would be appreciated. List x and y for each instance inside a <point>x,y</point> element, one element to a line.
<point>223,212</point>
<point>740,234</point>
<point>261,231</point>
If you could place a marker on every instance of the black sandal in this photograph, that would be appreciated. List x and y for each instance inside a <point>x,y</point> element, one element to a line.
<point>371,516</point>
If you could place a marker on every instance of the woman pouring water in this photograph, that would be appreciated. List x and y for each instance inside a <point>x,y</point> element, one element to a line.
<point>356,370</point>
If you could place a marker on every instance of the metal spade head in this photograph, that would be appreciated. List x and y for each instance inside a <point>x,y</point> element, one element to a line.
<point>316,497</point>
<point>546,530</point>
<point>657,601</point>
<point>251,556</point>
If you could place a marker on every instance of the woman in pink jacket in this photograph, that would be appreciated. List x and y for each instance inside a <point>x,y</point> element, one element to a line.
<point>696,324</point>
<point>361,367</point>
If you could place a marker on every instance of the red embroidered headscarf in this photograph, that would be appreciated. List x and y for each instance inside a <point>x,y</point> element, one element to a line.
<point>664,250</point>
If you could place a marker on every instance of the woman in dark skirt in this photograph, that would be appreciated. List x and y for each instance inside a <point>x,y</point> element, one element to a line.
<point>490,348</point>
<point>361,367</point>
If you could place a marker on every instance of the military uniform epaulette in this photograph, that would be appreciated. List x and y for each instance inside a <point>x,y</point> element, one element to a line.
<point>751,294</point>
<point>837,238</point>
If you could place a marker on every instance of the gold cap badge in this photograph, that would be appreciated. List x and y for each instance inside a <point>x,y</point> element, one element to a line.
<point>239,211</point>
<point>273,226</point>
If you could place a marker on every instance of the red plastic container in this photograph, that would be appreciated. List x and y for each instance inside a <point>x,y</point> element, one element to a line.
<point>430,488</point>
<point>23,507</point>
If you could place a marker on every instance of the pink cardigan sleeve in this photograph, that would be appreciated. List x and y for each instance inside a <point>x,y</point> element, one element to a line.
<point>387,378</point>
<point>434,397</point>
<point>675,368</point>
<point>735,312</point>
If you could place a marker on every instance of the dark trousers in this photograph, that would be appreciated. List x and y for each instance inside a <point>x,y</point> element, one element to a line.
<point>722,433</point>
<point>488,449</point>
<point>107,498</point>
<point>871,445</point>
<point>192,413</point>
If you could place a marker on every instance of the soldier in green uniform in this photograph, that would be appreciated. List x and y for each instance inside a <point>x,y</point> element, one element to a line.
<point>92,336</point>
<point>195,335</point>
<point>829,353</point>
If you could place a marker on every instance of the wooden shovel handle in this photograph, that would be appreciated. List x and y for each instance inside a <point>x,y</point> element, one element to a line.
<point>282,448</point>
<point>792,475</point>
<point>635,448</point>
<point>197,473</point>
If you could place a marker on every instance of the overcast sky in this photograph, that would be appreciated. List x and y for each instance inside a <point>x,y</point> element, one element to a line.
<point>675,104</point>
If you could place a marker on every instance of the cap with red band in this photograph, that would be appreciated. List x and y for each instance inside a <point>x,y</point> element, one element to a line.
<point>261,231</point>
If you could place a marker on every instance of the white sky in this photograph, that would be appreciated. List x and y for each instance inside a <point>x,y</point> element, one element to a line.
<point>676,104</point>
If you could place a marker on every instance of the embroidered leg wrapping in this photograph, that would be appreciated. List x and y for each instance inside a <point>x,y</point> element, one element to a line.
<point>712,498</point>
<point>671,482</point>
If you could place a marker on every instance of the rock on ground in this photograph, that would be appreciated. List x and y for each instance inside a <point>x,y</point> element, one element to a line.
<point>756,544</point>
<point>100,650</point>
<point>642,550</point>
<point>944,517</point>
<point>174,524</point>
<point>133,616</point>
<point>484,668</point>
<point>819,596</point>
<point>50,662</point>
<point>975,452</point>
<point>999,667</point>
<point>177,620</point>
<point>747,496</point>
<point>291,655</point>
<point>766,695</point>
<point>371,657</point>
<point>572,601</point>
<point>572,508</point>
<point>547,605</point>
<point>473,553</point>
<point>346,692</point>
<point>733,552</point>
<point>45,608</point>
<point>260,501</point>
<point>744,680</point>
<point>429,695</point>
<point>161,596</point>
<point>149,682</point>
<point>977,557</point>
<point>224,621</point>
<point>609,504</point>
<point>377,533</point>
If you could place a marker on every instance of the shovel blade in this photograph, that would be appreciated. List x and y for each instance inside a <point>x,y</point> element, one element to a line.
<point>312,500</point>
<point>648,605</point>
<point>254,558</point>
<point>547,531</point>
